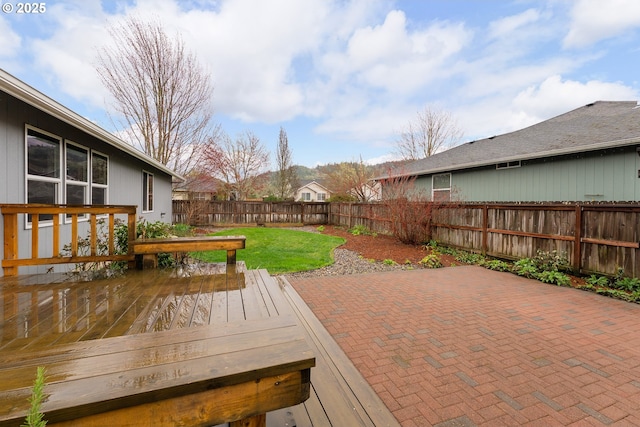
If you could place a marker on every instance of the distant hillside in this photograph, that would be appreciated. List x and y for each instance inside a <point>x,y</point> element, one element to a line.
<point>318,173</point>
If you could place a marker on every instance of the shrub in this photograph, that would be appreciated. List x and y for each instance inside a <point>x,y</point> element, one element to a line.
<point>550,261</point>
<point>389,262</point>
<point>470,258</point>
<point>182,230</point>
<point>431,261</point>
<point>361,230</point>
<point>496,265</point>
<point>554,277</point>
<point>599,281</point>
<point>525,267</point>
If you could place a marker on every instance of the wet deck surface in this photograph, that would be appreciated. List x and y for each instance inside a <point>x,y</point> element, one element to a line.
<point>139,337</point>
<point>66,309</point>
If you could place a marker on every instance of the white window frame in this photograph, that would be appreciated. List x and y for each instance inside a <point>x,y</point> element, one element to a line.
<point>306,197</point>
<point>96,185</point>
<point>321,197</point>
<point>509,165</point>
<point>86,184</point>
<point>147,197</point>
<point>28,177</point>
<point>440,190</point>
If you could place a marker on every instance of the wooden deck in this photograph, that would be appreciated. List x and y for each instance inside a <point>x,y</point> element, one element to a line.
<point>185,314</point>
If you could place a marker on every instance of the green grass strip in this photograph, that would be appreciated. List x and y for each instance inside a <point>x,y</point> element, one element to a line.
<point>279,250</point>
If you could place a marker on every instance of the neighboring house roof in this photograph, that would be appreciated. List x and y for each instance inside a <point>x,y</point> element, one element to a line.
<point>596,126</point>
<point>31,96</point>
<point>308,184</point>
<point>199,184</point>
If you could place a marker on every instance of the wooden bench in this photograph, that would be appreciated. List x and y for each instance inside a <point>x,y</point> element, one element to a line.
<point>196,376</point>
<point>150,248</point>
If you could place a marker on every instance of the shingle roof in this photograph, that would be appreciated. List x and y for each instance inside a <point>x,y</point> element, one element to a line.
<point>603,124</point>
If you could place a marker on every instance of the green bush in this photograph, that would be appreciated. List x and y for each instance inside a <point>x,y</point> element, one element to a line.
<point>525,267</point>
<point>470,258</point>
<point>554,277</point>
<point>496,265</point>
<point>599,281</point>
<point>361,230</point>
<point>182,230</point>
<point>431,261</point>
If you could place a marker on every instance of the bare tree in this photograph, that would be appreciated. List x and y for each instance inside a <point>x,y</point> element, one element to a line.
<point>286,178</point>
<point>433,130</point>
<point>162,94</point>
<point>351,180</point>
<point>238,163</point>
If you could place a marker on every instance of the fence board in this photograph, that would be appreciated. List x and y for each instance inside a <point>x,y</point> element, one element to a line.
<point>595,237</point>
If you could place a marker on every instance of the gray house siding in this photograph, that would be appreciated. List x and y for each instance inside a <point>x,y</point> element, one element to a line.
<point>606,175</point>
<point>125,173</point>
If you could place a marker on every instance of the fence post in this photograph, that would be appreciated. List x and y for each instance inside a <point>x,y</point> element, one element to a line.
<point>577,246</point>
<point>485,225</point>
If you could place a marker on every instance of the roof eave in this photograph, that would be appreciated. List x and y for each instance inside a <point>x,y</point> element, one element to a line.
<point>33,97</point>
<point>544,154</point>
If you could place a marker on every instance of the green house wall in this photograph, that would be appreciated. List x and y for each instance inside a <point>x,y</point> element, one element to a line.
<point>607,175</point>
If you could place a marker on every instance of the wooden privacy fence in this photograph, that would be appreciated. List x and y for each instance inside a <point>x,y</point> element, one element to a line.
<point>596,238</point>
<point>205,212</point>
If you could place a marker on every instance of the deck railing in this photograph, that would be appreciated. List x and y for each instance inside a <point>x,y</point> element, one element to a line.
<point>54,213</point>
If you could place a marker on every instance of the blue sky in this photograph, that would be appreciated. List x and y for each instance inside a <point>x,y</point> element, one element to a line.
<point>343,78</point>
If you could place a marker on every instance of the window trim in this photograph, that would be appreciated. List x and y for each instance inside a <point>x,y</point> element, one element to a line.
<point>95,185</point>
<point>440,190</point>
<point>28,177</point>
<point>147,198</point>
<point>86,184</point>
<point>509,165</point>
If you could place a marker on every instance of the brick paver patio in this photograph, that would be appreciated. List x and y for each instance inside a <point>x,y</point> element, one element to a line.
<point>466,346</point>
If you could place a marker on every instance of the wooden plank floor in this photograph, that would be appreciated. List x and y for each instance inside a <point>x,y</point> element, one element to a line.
<point>37,312</point>
<point>40,314</point>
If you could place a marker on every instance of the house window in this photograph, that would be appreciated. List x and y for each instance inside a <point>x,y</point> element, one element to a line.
<point>147,191</point>
<point>321,197</point>
<point>306,197</point>
<point>99,178</point>
<point>43,169</point>
<point>441,187</point>
<point>508,165</point>
<point>77,175</point>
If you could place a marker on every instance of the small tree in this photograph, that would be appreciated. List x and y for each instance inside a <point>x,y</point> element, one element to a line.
<point>351,180</point>
<point>433,130</point>
<point>286,177</point>
<point>238,163</point>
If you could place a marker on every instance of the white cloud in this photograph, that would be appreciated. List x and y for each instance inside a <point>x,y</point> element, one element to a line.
<point>507,26</point>
<point>594,20</point>
<point>554,96</point>
<point>10,42</point>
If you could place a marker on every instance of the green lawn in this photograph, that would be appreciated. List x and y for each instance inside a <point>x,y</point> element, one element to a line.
<point>279,250</point>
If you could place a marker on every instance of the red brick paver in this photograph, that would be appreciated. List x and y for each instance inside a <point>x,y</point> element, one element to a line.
<point>467,346</point>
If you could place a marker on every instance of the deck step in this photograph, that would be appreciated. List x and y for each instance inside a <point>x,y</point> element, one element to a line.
<point>340,395</point>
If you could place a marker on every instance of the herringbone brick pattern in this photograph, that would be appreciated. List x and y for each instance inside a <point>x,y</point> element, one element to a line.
<point>466,346</point>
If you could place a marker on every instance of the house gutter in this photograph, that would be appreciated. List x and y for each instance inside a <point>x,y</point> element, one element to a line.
<point>33,97</point>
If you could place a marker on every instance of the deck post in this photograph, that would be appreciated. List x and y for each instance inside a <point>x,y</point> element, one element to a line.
<point>10,241</point>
